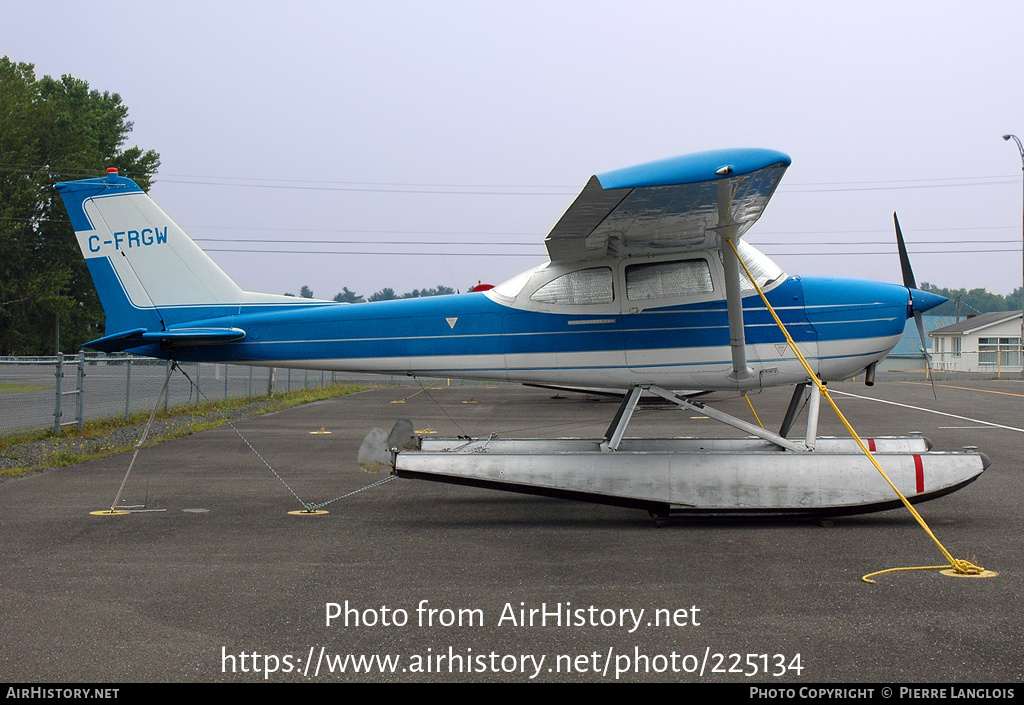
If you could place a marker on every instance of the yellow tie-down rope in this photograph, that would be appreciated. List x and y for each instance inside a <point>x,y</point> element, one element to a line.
<point>756,417</point>
<point>957,566</point>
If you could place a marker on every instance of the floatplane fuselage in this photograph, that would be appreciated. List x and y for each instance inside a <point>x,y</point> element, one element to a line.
<point>648,289</point>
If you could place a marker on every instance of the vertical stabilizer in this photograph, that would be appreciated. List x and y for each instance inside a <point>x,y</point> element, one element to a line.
<point>148,272</point>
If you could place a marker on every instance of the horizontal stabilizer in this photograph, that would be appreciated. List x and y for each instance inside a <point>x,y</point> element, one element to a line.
<point>118,341</point>
<point>177,338</point>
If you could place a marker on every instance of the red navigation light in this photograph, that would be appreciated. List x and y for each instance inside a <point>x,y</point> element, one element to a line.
<point>111,169</point>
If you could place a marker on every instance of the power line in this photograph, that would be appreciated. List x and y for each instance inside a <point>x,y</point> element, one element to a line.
<point>886,253</point>
<point>358,230</point>
<point>42,241</point>
<point>791,189</point>
<point>489,189</point>
<point>375,242</point>
<point>478,233</point>
<point>389,253</point>
<point>537,234</point>
<point>541,243</point>
<point>886,230</point>
<point>435,190</point>
<point>896,181</point>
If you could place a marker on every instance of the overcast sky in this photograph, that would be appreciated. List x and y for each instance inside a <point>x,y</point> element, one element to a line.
<point>385,127</point>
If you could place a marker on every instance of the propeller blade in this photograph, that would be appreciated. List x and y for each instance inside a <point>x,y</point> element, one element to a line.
<point>924,349</point>
<point>908,272</point>
<point>911,283</point>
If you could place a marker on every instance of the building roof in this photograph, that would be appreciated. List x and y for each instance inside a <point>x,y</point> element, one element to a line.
<point>910,344</point>
<point>978,322</point>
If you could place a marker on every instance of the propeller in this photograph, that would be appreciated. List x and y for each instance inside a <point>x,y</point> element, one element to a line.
<point>911,284</point>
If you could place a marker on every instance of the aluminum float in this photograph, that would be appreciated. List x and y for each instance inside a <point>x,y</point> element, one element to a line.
<point>679,476</point>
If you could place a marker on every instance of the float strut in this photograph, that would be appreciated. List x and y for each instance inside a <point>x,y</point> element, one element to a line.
<point>813,407</point>
<point>613,436</point>
<point>794,407</point>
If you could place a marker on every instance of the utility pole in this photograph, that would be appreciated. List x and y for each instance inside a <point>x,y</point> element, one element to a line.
<point>1020,345</point>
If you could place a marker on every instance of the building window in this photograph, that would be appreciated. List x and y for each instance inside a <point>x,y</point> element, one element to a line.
<point>1001,352</point>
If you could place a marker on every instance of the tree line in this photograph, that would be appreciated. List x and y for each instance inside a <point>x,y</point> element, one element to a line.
<point>59,129</point>
<point>385,294</point>
<point>965,302</point>
<point>53,130</point>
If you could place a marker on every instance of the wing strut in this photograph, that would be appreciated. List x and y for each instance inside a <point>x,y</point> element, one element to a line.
<point>727,229</point>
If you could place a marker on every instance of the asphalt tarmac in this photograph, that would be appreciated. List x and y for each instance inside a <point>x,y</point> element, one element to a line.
<point>413,581</point>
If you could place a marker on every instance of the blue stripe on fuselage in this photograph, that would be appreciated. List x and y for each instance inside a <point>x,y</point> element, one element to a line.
<point>472,324</point>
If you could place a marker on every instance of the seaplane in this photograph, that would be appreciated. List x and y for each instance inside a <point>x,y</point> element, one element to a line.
<point>650,289</point>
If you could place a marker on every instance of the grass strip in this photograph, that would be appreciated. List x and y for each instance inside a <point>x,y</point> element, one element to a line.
<point>39,450</point>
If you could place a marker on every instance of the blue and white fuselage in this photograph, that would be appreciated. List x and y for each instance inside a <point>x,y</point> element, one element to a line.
<point>637,292</point>
<point>487,336</point>
<point>649,288</point>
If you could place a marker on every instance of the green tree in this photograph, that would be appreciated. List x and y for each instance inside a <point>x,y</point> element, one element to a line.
<point>972,301</point>
<point>305,292</point>
<point>441,290</point>
<point>350,297</point>
<point>53,130</point>
<point>388,294</point>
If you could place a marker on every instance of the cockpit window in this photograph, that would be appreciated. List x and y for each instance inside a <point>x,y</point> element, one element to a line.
<point>765,271</point>
<point>584,286</point>
<point>511,288</point>
<point>665,280</point>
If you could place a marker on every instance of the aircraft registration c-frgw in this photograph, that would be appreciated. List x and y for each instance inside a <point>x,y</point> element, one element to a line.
<point>648,289</point>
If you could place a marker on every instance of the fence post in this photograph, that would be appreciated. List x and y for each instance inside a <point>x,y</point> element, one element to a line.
<point>128,391</point>
<point>57,412</point>
<point>225,380</point>
<point>270,383</point>
<point>80,403</point>
<point>167,387</point>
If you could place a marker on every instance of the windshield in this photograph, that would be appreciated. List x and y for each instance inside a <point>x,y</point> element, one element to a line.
<point>511,288</point>
<point>765,271</point>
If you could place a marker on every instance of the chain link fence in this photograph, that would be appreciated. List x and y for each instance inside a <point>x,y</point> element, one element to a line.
<point>968,366</point>
<point>39,393</point>
<point>56,391</point>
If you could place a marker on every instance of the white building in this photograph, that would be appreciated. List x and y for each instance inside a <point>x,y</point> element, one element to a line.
<point>990,342</point>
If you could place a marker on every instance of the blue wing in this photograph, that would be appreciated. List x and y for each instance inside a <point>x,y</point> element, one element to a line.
<point>674,204</point>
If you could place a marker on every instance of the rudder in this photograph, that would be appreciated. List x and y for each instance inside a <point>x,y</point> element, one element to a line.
<point>148,272</point>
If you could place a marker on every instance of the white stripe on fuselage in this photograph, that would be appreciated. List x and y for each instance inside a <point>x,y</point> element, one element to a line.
<point>705,368</point>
